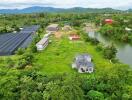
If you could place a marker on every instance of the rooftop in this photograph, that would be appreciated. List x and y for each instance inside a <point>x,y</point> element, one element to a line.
<point>82,60</point>
<point>42,41</point>
<point>53,25</point>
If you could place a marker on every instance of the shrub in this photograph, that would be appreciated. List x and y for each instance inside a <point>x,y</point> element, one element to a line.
<point>20,51</point>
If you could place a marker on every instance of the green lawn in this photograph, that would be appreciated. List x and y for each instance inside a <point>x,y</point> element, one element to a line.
<point>58,56</point>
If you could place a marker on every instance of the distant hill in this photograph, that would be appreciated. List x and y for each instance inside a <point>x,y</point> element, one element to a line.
<point>129,10</point>
<point>38,9</point>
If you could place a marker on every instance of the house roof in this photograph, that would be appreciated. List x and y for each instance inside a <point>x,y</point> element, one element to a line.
<point>42,41</point>
<point>83,56</point>
<point>82,61</point>
<point>108,20</point>
<point>53,25</point>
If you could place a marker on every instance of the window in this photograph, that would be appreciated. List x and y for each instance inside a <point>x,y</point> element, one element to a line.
<point>82,70</point>
<point>90,69</point>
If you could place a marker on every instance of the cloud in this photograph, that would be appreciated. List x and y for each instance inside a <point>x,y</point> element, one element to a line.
<point>66,3</point>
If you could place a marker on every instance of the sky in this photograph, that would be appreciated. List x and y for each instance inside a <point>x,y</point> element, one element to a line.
<point>117,4</point>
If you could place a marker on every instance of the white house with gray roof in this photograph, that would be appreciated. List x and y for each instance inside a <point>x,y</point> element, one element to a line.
<point>83,63</point>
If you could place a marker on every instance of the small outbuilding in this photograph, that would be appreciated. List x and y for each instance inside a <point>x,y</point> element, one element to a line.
<point>108,21</point>
<point>42,44</point>
<point>74,37</point>
<point>83,63</point>
<point>52,28</point>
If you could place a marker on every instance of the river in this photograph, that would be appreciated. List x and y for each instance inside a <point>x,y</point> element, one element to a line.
<point>124,53</point>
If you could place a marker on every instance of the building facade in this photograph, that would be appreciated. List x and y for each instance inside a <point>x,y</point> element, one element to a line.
<point>83,63</point>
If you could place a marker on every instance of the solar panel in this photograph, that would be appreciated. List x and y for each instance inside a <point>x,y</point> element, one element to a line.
<point>10,42</point>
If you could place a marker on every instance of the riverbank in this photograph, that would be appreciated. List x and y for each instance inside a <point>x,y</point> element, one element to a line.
<point>124,50</point>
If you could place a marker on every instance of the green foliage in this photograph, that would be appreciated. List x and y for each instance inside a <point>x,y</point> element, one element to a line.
<point>116,31</point>
<point>94,41</point>
<point>110,52</point>
<point>33,48</point>
<point>109,81</point>
<point>99,47</point>
<point>95,95</point>
<point>65,89</point>
<point>26,59</point>
<point>9,62</point>
<point>20,51</point>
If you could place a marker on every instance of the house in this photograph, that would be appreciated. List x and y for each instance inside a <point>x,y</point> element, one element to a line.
<point>42,44</point>
<point>74,37</point>
<point>67,28</point>
<point>52,28</point>
<point>83,63</point>
<point>108,21</point>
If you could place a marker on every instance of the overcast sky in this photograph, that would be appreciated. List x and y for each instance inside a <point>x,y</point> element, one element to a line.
<point>118,4</point>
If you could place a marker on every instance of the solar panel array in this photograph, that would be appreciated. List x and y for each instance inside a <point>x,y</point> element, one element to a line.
<point>33,28</point>
<point>10,42</point>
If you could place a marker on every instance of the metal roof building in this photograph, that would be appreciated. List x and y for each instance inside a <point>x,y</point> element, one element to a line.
<point>42,44</point>
<point>10,42</point>
<point>52,28</point>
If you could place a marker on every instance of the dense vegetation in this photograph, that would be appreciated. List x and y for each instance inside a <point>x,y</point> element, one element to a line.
<point>47,75</point>
<point>119,30</point>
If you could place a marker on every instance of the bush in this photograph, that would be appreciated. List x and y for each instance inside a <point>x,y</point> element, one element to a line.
<point>26,59</point>
<point>95,95</point>
<point>20,51</point>
<point>99,47</point>
<point>94,41</point>
<point>10,63</point>
<point>33,48</point>
<point>21,64</point>
<point>110,52</point>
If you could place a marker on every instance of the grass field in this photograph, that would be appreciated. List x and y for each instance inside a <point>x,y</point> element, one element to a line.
<point>59,55</point>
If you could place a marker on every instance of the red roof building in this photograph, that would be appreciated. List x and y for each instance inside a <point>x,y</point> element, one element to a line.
<point>108,21</point>
<point>74,37</point>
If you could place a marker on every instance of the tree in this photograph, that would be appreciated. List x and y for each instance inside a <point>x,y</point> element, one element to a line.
<point>26,59</point>
<point>107,30</point>
<point>125,38</point>
<point>110,52</point>
<point>33,48</point>
<point>63,89</point>
<point>95,95</point>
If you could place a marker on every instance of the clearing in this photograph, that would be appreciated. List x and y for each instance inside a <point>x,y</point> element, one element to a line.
<point>59,55</point>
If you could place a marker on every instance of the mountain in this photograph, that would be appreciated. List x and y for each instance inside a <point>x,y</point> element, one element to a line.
<point>37,9</point>
<point>129,10</point>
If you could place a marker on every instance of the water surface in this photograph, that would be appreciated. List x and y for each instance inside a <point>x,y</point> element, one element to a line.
<point>124,53</point>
